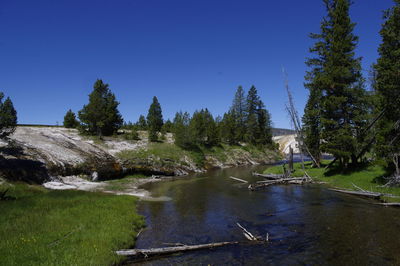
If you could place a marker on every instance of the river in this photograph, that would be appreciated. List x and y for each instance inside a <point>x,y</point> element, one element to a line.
<point>307,225</point>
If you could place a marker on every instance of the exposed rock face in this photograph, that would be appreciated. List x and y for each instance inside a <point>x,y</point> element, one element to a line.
<point>48,151</point>
<point>285,142</point>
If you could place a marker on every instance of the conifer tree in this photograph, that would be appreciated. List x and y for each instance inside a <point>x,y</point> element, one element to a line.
<point>70,120</point>
<point>228,128</point>
<point>337,73</point>
<point>154,119</point>
<point>388,88</point>
<point>238,111</point>
<point>142,124</point>
<point>101,116</point>
<point>8,117</point>
<point>181,130</point>
<point>251,120</point>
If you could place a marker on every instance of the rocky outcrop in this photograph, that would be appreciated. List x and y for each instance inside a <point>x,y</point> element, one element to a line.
<point>40,154</point>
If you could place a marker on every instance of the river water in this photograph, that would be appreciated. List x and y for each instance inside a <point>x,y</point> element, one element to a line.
<point>307,225</point>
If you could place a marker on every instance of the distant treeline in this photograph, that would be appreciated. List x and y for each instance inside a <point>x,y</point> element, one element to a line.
<point>246,121</point>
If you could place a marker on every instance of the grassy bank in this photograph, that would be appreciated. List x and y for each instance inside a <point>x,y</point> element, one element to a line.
<point>168,154</point>
<point>41,227</point>
<point>368,177</point>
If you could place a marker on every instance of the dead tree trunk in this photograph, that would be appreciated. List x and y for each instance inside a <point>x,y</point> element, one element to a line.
<point>169,250</point>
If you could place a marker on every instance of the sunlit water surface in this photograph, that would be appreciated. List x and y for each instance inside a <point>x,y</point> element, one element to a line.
<point>307,225</point>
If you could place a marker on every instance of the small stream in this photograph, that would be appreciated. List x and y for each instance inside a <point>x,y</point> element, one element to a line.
<point>307,225</point>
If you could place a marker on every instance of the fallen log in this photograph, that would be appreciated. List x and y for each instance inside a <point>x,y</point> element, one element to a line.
<point>169,250</point>
<point>269,176</point>
<point>374,195</point>
<point>238,179</point>
<point>294,180</point>
<point>247,234</point>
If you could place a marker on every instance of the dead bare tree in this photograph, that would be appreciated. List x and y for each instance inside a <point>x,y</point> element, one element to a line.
<point>296,122</point>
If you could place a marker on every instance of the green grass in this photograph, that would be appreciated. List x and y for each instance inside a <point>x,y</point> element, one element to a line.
<point>170,154</point>
<point>120,184</point>
<point>367,177</point>
<point>41,227</point>
<point>164,152</point>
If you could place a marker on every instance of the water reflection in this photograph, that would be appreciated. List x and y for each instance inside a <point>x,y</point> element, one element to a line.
<point>306,224</point>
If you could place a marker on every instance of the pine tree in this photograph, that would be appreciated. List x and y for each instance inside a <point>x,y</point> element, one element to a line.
<point>388,88</point>
<point>70,120</point>
<point>228,129</point>
<point>8,117</point>
<point>142,124</point>
<point>264,133</point>
<point>338,75</point>
<point>251,119</point>
<point>101,116</point>
<point>181,130</point>
<point>154,119</point>
<point>238,111</point>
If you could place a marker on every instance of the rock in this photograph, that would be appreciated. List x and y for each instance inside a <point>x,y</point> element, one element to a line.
<point>95,176</point>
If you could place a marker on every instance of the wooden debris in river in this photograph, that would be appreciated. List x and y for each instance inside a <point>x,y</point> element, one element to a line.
<point>169,250</point>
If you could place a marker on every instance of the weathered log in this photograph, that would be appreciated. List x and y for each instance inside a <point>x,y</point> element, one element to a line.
<point>282,180</point>
<point>374,195</point>
<point>269,176</point>
<point>238,179</point>
<point>247,234</point>
<point>169,250</point>
<point>293,180</point>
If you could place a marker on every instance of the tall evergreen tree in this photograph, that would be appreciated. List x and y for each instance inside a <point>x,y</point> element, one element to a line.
<point>264,133</point>
<point>181,130</point>
<point>337,74</point>
<point>154,119</point>
<point>70,120</point>
<point>388,88</point>
<point>228,129</point>
<point>101,116</point>
<point>238,111</point>
<point>8,117</point>
<point>251,120</point>
<point>142,123</point>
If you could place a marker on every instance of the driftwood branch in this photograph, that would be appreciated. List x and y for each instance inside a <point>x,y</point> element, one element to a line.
<point>374,195</point>
<point>292,180</point>
<point>238,179</point>
<point>169,250</point>
<point>247,234</point>
<point>269,176</point>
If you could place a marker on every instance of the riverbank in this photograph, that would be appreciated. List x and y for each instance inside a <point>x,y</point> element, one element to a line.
<point>44,227</point>
<point>369,177</point>
<point>42,154</point>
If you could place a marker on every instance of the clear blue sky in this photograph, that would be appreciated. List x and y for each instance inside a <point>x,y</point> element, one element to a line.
<point>191,54</point>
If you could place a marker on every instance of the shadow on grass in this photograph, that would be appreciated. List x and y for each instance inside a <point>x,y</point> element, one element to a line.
<point>336,169</point>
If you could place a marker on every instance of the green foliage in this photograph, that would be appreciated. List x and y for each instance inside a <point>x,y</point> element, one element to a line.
<point>387,87</point>
<point>100,116</point>
<point>70,120</point>
<point>168,126</point>
<point>335,81</point>
<point>367,176</point>
<point>258,122</point>
<point>132,135</point>
<point>154,119</point>
<point>141,123</point>
<point>228,129</point>
<point>181,130</point>
<point>203,129</point>
<point>8,117</point>
<point>42,227</point>
<point>238,113</point>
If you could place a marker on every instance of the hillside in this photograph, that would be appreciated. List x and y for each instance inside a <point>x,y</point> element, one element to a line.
<point>39,154</point>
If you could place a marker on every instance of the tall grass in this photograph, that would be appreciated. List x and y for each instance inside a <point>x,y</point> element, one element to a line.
<point>40,227</point>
